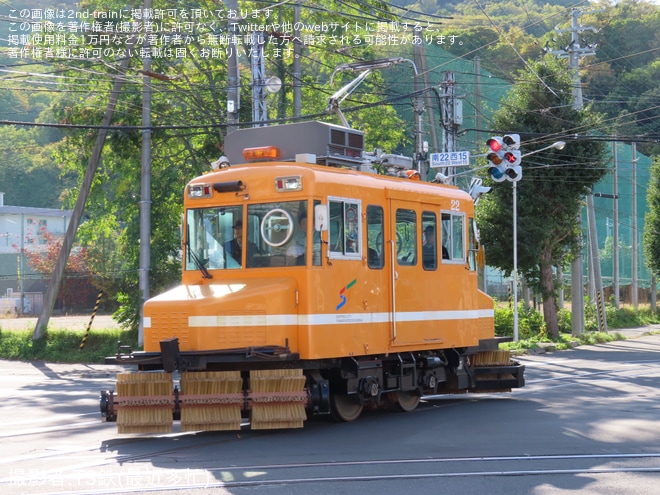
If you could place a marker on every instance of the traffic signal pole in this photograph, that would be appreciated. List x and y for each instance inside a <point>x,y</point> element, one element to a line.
<point>233,74</point>
<point>515,261</point>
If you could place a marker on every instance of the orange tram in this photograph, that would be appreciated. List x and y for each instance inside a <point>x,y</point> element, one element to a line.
<point>312,285</point>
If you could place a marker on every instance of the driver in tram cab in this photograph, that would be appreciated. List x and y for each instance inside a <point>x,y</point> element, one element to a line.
<point>299,243</point>
<point>235,246</point>
<point>428,248</point>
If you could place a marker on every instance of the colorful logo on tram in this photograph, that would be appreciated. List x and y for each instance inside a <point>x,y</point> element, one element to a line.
<point>342,294</point>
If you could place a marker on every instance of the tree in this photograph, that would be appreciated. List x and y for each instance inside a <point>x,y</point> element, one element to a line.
<point>651,240</point>
<point>77,287</point>
<point>189,114</point>
<point>553,185</point>
<point>27,175</point>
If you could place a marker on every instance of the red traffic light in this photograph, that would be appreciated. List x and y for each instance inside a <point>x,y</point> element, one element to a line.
<point>495,143</point>
<point>510,157</point>
<point>513,157</point>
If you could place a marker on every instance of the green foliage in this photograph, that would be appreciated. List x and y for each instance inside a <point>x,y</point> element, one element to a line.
<point>26,164</point>
<point>627,317</point>
<point>128,313</point>
<point>561,343</point>
<point>651,240</point>
<point>530,322</point>
<point>532,332</point>
<point>548,202</point>
<point>591,316</point>
<point>63,346</point>
<point>627,90</point>
<point>549,196</point>
<point>564,321</point>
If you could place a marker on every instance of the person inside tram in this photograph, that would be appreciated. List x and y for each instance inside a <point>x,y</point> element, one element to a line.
<point>299,243</point>
<point>429,252</point>
<point>235,246</point>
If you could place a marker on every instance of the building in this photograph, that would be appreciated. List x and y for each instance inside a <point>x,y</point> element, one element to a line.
<point>25,229</point>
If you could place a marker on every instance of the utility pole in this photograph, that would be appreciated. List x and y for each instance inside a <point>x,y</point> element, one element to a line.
<point>633,281</point>
<point>418,107</point>
<point>452,115</point>
<point>595,260</point>
<point>573,52</point>
<point>145,187</point>
<point>233,76</point>
<point>420,61</point>
<point>654,283</point>
<point>615,227</point>
<point>258,79</point>
<point>297,81</point>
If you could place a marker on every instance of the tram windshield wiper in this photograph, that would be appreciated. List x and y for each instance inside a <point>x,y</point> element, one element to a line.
<point>198,262</point>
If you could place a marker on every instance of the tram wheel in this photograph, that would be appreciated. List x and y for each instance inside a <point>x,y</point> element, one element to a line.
<point>345,408</point>
<point>406,401</point>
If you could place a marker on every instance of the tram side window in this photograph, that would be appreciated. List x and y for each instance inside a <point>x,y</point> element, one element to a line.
<point>406,237</point>
<point>375,227</point>
<point>316,240</point>
<point>345,228</point>
<point>473,244</point>
<point>429,241</point>
<point>453,238</point>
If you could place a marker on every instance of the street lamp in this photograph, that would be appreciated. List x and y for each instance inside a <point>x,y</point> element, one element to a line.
<point>557,145</point>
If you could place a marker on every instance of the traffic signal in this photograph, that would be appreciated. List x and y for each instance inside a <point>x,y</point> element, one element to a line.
<point>496,165</point>
<point>513,170</point>
<point>511,141</point>
<point>496,143</point>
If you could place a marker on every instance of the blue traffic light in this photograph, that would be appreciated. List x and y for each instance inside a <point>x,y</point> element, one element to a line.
<point>496,167</point>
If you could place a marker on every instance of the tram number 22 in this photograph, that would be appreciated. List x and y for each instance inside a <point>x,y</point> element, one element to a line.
<point>455,205</point>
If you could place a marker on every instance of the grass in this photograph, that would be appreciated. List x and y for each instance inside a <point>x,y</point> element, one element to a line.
<point>565,341</point>
<point>63,346</point>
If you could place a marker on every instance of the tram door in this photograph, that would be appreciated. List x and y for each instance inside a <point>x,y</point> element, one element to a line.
<point>405,263</point>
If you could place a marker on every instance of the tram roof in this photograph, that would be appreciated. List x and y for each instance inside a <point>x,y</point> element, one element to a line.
<point>322,174</point>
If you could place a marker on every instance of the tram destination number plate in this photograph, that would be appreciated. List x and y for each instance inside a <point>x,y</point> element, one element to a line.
<point>450,159</point>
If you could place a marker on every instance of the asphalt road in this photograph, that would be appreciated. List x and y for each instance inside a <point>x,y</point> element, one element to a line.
<point>587,422</point>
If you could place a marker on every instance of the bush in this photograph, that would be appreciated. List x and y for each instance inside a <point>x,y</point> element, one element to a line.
<point>530,322</point>
<point>565,321</point>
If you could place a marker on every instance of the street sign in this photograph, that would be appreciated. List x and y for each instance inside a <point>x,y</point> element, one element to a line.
<point>450,159</point>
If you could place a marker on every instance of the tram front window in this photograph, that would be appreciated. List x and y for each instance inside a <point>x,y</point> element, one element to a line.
<point>271,234</point>
<point>210,233</point>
